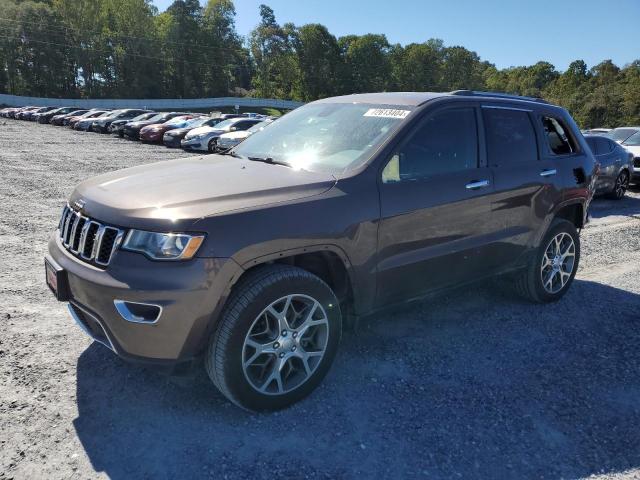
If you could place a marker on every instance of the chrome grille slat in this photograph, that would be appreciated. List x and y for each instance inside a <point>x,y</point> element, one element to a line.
<point>79,233</point>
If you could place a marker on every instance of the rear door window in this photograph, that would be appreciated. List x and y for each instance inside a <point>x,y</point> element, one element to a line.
<point>446,142</point>
<point>510,137</point>
<point>593,145</point>
<point>558,139</point>
<point>604,146</point>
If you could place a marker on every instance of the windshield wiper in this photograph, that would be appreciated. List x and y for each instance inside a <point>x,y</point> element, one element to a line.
<point>269,160</point>
<point>231,153</point>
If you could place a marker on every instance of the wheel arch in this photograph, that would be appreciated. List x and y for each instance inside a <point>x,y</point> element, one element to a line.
<point>328,262</point>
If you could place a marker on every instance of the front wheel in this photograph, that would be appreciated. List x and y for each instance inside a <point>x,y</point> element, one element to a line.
<point>212,145</point>
<point>553,266</point>
<point>276,339</point>
<point>621,186</point>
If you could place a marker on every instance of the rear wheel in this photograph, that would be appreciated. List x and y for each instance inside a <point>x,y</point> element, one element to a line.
<point>553,267</point>
<point>276,340</point>
<point>620,186</point>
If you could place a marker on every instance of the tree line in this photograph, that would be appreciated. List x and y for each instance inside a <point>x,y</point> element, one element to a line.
<point>128,49</point>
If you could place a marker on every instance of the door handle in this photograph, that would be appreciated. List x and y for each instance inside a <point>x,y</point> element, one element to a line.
<point>476,185</point>
<point>548,172</point>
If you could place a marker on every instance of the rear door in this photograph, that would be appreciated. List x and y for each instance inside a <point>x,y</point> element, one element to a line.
<point>435,211</point>
<point>526,186</point>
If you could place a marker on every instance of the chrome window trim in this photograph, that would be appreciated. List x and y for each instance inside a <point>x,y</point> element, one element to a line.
<point>507,108</point>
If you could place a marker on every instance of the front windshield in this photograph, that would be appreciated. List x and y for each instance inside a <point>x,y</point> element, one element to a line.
<point>197,122</point>
<point>259,126</point>
<point>329,137</point>
<point>178,122</point>
<point>143,116</point>
<point>633,140</point>
<point>621,134</point>
<point>225,123</point>
<point>159,116</point>
<point>105,114</point>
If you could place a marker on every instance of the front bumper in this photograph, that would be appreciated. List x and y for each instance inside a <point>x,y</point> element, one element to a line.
<point>199,144</point>
<point>151,136</point>
<point>190,293</point>
<point>98,128</point>
<point>635,170</point>
<point>132,133</point>
<point>171,141</point>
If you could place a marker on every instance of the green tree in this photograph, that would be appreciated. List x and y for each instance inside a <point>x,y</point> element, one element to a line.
<point>274,57</point>
<point>367,63</point>
<point>318,60</point>
<point>418,66</point>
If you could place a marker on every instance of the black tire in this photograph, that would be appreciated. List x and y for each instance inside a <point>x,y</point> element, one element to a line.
<point>224,356</point>
<point>529,282</point>
<point>212,145</point>
<point>620,186</point>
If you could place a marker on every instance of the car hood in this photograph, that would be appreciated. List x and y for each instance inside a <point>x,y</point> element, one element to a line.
<point>141,124</point>
<point>152,127</point>
<point>176,132</point>
<point>200,130</point>
<point>236,135</point>
<point>173,194</point>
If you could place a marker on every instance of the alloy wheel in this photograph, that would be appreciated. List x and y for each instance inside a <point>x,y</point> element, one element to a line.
<point>285,344</point>
<point>622,183</point>
<point>558,262</point>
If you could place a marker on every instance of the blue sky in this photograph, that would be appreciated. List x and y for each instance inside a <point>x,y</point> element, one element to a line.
<point>504,32</point>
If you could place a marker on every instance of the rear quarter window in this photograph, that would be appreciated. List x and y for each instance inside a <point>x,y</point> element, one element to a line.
<point>558,137</point>
<point>510,136</point>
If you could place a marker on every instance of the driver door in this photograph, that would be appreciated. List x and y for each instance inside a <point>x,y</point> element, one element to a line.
<point>435,207</point>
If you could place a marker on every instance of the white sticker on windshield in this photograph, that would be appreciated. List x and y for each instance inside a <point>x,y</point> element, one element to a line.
<point>387,113</point>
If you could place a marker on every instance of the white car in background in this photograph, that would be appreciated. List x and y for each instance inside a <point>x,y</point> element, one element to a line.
<point>620,134</point>
<point>204,139</point>
<point>231,139</point>
<point>632,144</point>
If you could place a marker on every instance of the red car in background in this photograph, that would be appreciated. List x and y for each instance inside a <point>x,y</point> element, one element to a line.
<point>153,133</point>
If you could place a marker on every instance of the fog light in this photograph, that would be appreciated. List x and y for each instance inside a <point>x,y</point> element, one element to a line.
<point>138,312</point>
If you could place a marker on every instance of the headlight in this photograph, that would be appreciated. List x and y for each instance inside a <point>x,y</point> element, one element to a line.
<point>163,246</point>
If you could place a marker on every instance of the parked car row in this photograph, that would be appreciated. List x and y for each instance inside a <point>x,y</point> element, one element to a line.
<point>190,131</point>
<point>612,149</point>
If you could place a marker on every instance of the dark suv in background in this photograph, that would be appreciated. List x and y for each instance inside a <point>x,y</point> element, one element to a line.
<point>256,259</point>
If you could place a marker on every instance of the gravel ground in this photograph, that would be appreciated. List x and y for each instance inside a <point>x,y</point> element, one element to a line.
<point>476,384</point>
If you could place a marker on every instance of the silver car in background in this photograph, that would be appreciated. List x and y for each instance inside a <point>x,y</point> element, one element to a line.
<point>616,166</point>
<point>204,139</point>
<point>229,140</point>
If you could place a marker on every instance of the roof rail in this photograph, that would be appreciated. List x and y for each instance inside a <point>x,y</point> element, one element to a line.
<point>498,95</point>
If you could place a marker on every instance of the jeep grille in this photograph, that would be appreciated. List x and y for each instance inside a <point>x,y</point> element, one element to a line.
<point>88,239</point>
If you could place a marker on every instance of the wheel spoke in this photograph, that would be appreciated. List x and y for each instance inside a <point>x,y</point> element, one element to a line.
<point>285,344</point>
<point>558,262</point>
<point>259,349</point>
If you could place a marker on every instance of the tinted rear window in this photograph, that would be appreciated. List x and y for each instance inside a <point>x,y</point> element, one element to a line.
<point>510,137</point>
<point>558,139</point>
<point>604,146</point>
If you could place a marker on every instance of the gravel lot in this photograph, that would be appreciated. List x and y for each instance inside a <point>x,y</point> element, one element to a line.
<point>476,384</point>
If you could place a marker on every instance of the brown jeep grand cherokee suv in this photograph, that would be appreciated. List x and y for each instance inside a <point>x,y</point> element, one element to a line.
<point>257,259</point>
